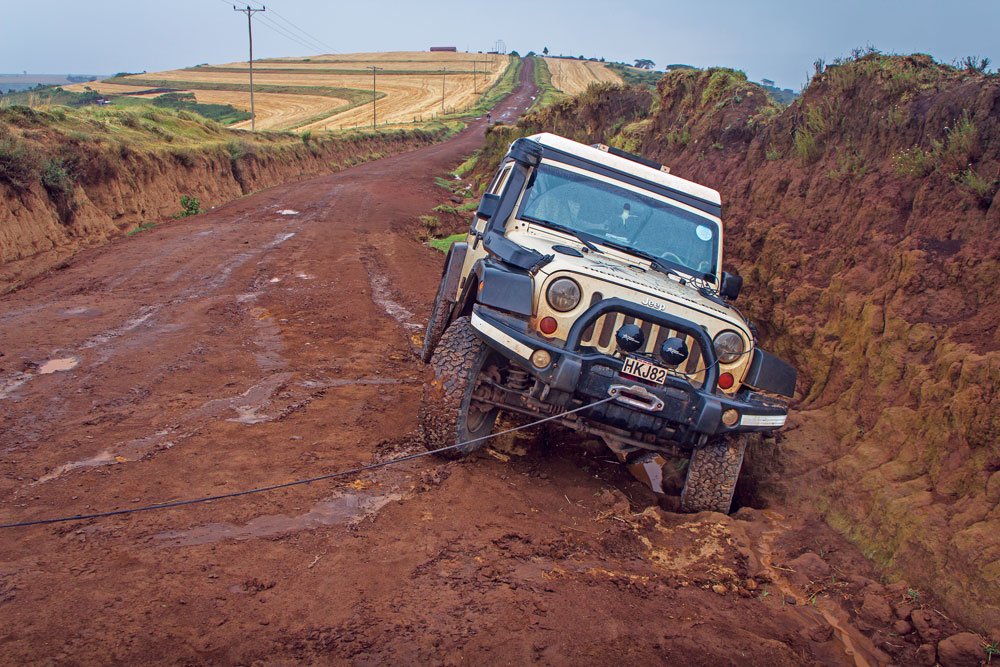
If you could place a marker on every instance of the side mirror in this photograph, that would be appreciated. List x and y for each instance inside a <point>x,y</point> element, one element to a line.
<point>488,206</point>
<point>731,286</point>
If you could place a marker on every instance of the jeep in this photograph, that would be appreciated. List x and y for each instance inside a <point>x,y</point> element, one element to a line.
<point>590,273</point>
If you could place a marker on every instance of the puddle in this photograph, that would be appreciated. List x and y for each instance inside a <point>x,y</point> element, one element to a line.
<point>304,276</point>
<point>58,365</point>
<point>288,211</point>
<point>12,383</point>
<point>274,280</point>
<point>133,323</point>
<point>279,239</point>
<point>381,296</point>
<point>79,311</point>
<point>347,509</point>
<point>103,459</point>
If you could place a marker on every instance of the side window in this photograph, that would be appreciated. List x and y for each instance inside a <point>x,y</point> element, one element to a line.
<point>501,180</point>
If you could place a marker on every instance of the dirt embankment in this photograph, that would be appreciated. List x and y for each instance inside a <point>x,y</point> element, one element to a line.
<point>75,179</point>
<point>865,220</point>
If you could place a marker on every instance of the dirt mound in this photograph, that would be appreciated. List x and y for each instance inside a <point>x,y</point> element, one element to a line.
<point>865,221</point>
<point>75,179</point>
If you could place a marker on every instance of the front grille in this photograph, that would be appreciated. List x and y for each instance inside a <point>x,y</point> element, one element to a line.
<point>601,336</point>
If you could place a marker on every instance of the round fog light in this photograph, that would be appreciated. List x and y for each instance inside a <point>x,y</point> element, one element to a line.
<point>541,359</point>
<point>730,417</point>
<point>548,325</point>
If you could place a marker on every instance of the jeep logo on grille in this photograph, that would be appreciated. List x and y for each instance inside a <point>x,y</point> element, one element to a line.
<point>655,305</point>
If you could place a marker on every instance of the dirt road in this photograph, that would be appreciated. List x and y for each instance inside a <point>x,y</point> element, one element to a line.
<point>272,339</point>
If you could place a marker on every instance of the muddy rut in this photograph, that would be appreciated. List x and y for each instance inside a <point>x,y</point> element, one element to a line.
<point>272,339</point>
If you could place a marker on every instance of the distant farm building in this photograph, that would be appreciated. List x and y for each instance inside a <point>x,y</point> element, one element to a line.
<point>443,48</point>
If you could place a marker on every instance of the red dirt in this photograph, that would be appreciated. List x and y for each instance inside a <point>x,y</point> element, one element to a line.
<point>243,347</point>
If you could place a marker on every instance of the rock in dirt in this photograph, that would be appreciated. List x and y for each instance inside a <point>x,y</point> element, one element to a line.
<point>808,567</point>
<point>925,624</point>
<point>926,655</point>
<point>876,610</point>
<point>902,609</point>
<point>902,627</point>
<point>962,650</point>
<point>720,589</point>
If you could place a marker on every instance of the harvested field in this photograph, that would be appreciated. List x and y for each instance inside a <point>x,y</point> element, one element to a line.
<point>573,76</point>
<point>409,87</point>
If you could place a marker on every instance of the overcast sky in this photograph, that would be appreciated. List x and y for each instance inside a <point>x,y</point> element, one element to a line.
<point>773,39</point>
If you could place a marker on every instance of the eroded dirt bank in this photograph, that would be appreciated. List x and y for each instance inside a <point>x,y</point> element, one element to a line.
<point>70,181</point>
<point>250,345</point>
<point>865,221</point>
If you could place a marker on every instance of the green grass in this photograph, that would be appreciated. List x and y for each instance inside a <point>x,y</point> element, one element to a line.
<point>636,77</point>
<point>445,244</point>
<point>548,94</point>
<point>353,95</point>
<point>466,166</point>
<point>146,226</point>
<point>328,72</point>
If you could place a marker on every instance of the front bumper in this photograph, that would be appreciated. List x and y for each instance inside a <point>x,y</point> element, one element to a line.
<point>677,410</point>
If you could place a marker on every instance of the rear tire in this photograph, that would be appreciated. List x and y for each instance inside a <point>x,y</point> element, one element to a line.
<point>712,475</point>
<point>449,414</point>
<point>436,325</point>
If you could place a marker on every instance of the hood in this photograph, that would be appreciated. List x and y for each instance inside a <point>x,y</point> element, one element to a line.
<point>617,267</point>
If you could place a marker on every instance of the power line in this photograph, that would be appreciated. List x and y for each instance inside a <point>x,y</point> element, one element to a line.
<point>298,482</point>
<point>313,48</point>
<point>274,27</point>
<point>326,46</point>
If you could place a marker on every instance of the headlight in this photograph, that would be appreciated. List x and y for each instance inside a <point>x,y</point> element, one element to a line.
<point>729,346</point>
<point>564,295</point>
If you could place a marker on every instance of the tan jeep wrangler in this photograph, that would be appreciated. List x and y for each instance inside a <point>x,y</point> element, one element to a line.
<point>590,273</point>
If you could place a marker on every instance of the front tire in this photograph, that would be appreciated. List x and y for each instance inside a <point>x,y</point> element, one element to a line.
<point>712,475</point>
<point>449,413</point>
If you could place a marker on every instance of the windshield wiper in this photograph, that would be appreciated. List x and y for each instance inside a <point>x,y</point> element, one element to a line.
<point>582,237</point>
<point>654,261</point>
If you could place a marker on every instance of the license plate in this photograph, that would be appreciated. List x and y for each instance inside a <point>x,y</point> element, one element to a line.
<point>644,370</point>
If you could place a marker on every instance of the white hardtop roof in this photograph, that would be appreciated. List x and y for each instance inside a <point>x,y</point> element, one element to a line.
<point>627,166</point>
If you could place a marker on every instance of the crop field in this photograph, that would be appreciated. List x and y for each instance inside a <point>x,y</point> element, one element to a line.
<point>573,76</point>
<point>330,92</point>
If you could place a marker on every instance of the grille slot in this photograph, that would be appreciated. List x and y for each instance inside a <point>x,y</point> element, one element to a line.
<point>601,336</point>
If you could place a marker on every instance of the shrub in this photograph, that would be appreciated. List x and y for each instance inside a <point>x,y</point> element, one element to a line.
<point>959,146</point>
<point>19,164</point>
<point>913,162</point>
<point>307,137</point>
<point>189,206</point>
<point>56,179</point>
<point>976,184</point>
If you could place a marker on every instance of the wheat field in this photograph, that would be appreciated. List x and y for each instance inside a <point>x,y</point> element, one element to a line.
<point>573,76</point>
<point>331,92</point>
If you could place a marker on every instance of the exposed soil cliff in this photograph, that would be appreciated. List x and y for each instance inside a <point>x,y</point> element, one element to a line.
<point>865,220</point>
<point>73,179</point>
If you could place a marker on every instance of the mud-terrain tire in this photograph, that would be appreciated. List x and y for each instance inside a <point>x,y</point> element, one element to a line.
<point>712,474</point>
<point>436,325</point>
<point>448,414</point>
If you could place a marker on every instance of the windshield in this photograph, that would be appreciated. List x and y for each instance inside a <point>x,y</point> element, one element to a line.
<point>616,216</point>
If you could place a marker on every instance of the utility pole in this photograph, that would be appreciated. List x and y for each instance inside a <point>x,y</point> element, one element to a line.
<point>250,12</point>
<point>475,82</point>
<point>373,69</point>
<point>444,74</point>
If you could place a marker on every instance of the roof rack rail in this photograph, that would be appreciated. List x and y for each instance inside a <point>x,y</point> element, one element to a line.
<point>631,156</point>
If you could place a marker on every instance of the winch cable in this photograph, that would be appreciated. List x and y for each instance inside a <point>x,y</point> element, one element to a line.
<point>299,482</point>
